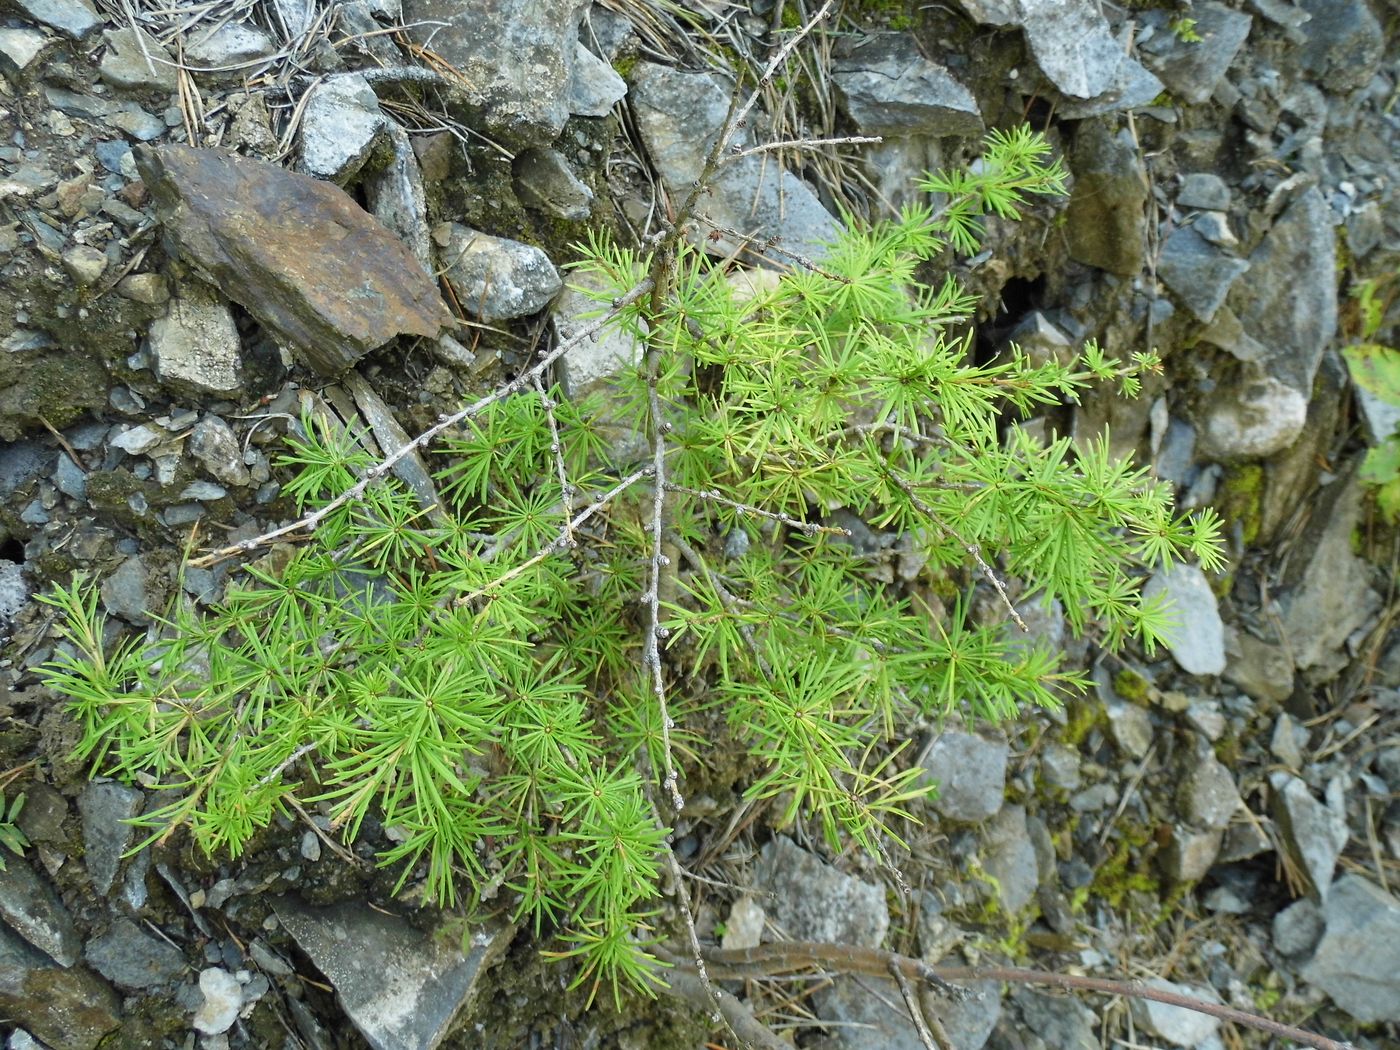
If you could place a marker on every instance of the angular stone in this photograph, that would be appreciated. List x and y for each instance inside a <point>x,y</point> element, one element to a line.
<point>1329,592</point>
<point>1107,222</point>
<point>20,49</point>
<point>1192,69</point>
<point>67,1008</point>
<point>544,181</point>
<point>1344,43</point>
<point>1133,87</point>
<point>496,278</point>
<point>340,127</point>
<point>814,901</point>
<point>1255,418</point>
<point>1197,272</point>
<point>298,254</point>
<point>131,958</point>
<point>516,55</point>
<point>1009,858</point>
<point>1191,853</point>
<point>230,52</point>
<point>1205,191</point>
<point>75,19</point>
<point>1072,45</point>
<point>595,87</point>
<point>1207,794</point>
<point>401,987</point>
<point>106,807</point>
<point>1290,302</point>
<point>125,64</point>
<point>1313,833</point>
<point>1197,640</point>
<point>397,198</point>
<point>890,88</point>
<point>590,365</point>
<point>679,116</point>
<point>215,445</point>
<point>970,772</point>
<point>32,910</point>
<point>1176,1024</point>
<point>1357,962</point>
<point>195,347</point>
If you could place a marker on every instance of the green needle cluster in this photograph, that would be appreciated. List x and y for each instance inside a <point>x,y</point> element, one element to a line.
<point>472,680</point>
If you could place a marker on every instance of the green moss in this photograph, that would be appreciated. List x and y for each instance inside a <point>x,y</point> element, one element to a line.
<point>1241,499</point>
<point>1132,687</point>
<point>1082,718</point>
<point>1123,873</point>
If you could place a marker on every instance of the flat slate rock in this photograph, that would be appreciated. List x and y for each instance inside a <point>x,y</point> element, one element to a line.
<point>300,255</point>
<point>403,988</point>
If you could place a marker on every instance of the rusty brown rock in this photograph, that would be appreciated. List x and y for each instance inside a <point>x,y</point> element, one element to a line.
<point>300,255</point>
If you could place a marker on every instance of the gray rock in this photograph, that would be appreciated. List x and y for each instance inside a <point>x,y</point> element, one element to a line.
<point>1072,44</point>
<point>1132,87</point>
<point>195,347</point>
<point>1214,226</point>
<point>340,127</point>
<point>1290,304</point>
<point>496,278</point>
<point>1009,857</point>
<point>517,55</point>
<point>233,51</point>
<point>1106,214</point>
<point>1298,928</point>
<point>870,1015</point>
<point>1041,340</point>
<point>14,592</point>
<point>1207,795</point>
<point>1062,1022</point>
<point>1130,726</point>
<point>137,441</point>
<point>1203,190</point>
<point>1176,1025</point>
<point>67,1008</point>
<point>203,490</point>
<point>213,443</point>
<point>30,908</point>
<point>813,901</point>
<point>1357,962</point>
<point>595,86</point>
<point>1287,742</point>
<point>401,988</point>
<point>75,19</point>
<point>679,115</point>
<point>889,88</point>
<point>1313,834</point>
<point>105,808</point>
<point>1060,766</point>
<point>544,181</point>
<point>223,998</point>
<point>331,307</point>
<point>1191,852</point>
<point>1197,642</point>
<point>1197,272</point>
<point>1254,418</point>
<point>744,927</point>
<point>591,364</point>
<point>1343,43</point>
<point>124,592</point>
<point>1191,70</point>
<point>131,958</point>
<point>1329,594</point>
<point>970,772</point>
<point>147,288</point>
<point>397,198</point>
<point>134,61</point>
<point>20,49</point>
<point>392,438</point>
<point>85,264</point>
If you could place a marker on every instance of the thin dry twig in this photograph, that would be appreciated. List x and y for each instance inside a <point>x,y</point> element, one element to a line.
<point>311,520</point>
<point>768,959</point>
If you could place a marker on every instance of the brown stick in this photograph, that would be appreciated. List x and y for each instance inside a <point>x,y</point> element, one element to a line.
<point>770,959</point>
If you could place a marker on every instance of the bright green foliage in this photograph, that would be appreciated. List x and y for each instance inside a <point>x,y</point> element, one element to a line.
<point>11,837</point>
<point>1375,368</point>
<point>474,680</point>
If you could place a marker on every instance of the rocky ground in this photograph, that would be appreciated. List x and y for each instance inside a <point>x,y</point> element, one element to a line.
<point>1223,818</point>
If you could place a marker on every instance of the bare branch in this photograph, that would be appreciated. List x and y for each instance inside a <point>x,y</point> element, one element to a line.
<point>309,522</point>
<point>768,959</point>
